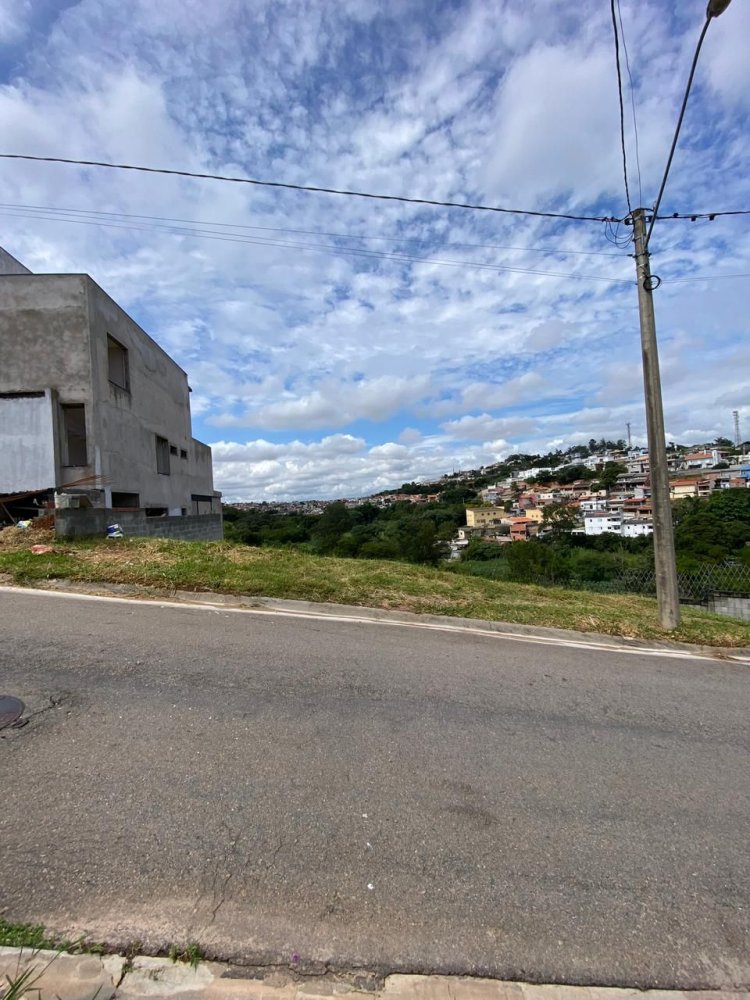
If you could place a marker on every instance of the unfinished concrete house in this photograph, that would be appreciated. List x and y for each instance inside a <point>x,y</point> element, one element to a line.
<point>94,415</point>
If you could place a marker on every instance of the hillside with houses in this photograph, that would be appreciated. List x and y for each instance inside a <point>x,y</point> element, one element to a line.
<point>605,492</point>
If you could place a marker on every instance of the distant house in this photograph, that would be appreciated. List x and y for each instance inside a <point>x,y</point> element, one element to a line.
<point>534,514</point>
<point>482,517</point>
<point>602,522</point>
<point>592,503</point>
<point>636,527</point>
<point>681,488</point>
<point>703,459</point>
<point>90,405</point>
<point>456,547</point>
<point>522,529</point>
<point>638,506</point>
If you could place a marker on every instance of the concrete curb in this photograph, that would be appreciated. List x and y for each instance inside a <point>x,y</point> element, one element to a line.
<point>69,977</point>
<point>378,615</point>
<point>81,977</point>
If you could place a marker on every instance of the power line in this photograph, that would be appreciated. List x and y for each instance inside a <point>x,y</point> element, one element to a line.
<point>308,187</point>
<point>705,277</point>
<point>622,106</point>
<point>328,248</point>
<point>303,232</point>
<point>693,216</point>
<point>709,18</point>
<point>632,103</point>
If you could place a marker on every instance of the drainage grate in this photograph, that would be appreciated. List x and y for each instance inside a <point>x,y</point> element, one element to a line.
<point>10,710</point>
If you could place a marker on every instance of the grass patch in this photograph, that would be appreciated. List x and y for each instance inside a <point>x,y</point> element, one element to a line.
<point>191,954</point>
<point>32,936</point>
<point>293,574</point>
<point>35,937</point>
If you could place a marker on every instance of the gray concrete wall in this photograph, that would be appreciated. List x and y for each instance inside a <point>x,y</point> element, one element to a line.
<point>9,264</point>
<point>135,524</point>
<point>53,336</point>
<point>157,402</point>
<point>44,345</point>
<point>730,605</point>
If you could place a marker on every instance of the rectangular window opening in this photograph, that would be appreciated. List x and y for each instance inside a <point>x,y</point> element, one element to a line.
<point>74,434</point>
<point>173,449</point>
<point>162,456</point>
<point>117,364</point>
<point>183,453</point>
<point>126,501</point>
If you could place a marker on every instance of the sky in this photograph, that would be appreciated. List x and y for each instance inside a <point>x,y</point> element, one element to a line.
<point>338,346</point>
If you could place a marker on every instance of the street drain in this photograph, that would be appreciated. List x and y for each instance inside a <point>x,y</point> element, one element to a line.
<point>10,710</point>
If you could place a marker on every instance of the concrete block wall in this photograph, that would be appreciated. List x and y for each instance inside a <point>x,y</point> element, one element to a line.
<point>731,605</point>
<point>87,523</point>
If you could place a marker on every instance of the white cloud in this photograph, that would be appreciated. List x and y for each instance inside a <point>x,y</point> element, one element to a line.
<point>287,332</point>
<point>15,18</point>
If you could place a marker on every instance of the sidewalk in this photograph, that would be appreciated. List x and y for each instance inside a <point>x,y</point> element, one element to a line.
<point>83,977</point>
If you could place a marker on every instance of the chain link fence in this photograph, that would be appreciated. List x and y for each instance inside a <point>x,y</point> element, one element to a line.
<point>697,585</point>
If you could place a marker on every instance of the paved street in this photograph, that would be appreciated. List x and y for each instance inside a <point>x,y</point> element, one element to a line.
<point>372,795</point>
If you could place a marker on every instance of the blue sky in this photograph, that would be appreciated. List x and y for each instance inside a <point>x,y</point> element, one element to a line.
<point>338,346</point>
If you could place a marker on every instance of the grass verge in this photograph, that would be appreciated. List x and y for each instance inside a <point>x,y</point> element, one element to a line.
<point>35,937</point>
<point>289,573</point>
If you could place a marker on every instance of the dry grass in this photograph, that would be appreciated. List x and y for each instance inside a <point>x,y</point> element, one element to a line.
<point>297,575</point>
<point>14,539</point>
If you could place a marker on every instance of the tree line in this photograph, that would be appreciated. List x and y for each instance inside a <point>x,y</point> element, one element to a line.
<point>416,533</point>
<point>715,531</point>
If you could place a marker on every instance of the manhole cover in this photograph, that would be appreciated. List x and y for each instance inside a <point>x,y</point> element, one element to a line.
<point>10,709</point>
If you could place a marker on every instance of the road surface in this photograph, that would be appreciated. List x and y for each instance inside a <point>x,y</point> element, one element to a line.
<point>367,795</point>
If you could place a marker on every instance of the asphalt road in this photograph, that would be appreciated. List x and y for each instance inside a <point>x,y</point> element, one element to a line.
<point>375,796</point>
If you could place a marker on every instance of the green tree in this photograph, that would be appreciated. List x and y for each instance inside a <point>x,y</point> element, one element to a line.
<point>479,551</point>
<point>559,518</point>
<point>713,529</point>
<point>423,545</point>
<point>608,475</point>
<point>335,521</point>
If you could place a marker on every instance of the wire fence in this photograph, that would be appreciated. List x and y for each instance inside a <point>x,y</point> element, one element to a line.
<point>705,581</point>
<point>697,585</point>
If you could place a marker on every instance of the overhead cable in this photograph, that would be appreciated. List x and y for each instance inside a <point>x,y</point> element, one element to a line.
<point>308,187</point>
<point>657,203</point>
<point>632,103</point>
<point>558,251</point>
<point>622,106</point>
<point>327,248</point>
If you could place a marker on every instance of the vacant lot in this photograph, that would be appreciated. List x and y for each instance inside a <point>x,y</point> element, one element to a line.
<point>289,573</point>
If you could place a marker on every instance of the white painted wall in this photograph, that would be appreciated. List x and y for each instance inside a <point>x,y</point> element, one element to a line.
<point>600,525</point>
<point>27,444</point>
<point>636,529</point>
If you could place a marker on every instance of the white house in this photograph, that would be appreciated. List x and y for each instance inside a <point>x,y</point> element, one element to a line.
<point>601,522</point>
<point>636,527</point>
<point>593,503</point>
<point>703,459</point>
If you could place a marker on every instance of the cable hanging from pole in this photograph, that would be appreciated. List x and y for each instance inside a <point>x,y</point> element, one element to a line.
<point>570,217</point>
<point>714,9</point>
<point>622,106</point>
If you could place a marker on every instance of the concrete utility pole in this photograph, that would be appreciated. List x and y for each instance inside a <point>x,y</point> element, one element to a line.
<point>667,593</point>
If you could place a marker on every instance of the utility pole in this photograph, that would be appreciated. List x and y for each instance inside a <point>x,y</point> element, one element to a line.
<point>667,594</point>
